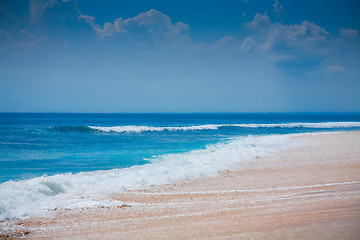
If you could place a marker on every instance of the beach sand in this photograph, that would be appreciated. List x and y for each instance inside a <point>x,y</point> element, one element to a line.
<point>311,191</point>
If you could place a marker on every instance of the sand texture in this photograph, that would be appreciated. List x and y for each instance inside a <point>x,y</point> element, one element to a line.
<point>311,191</point>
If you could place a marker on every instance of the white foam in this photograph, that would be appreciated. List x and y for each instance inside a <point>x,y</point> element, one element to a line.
<point>120,129</point>
<point>301,125</point>
<point>321,125</point>
<point>40,195</point>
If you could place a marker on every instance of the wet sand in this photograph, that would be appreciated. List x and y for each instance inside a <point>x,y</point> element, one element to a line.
<point>308,192</point>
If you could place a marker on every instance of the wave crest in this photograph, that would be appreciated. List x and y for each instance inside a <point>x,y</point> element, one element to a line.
<point>121,129</point>
<point>138,129</point>
<point>41,195</point>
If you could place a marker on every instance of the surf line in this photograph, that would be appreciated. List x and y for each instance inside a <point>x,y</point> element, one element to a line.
<point>247,190</point>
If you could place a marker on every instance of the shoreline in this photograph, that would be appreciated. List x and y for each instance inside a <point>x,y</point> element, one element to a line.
<point>309,191</point>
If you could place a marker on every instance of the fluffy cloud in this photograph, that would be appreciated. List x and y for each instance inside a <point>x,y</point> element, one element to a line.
<point>293,48</point>
<point>260,22</point>
<point>304,48</point>
<point>349,33</point>
<point>266,35</point>
<point>227,42</point>
<point>153,22</point>
<point>108,29</point>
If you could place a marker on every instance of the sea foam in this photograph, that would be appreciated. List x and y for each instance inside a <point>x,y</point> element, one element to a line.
<point>152,129</point>
<point>321,125</point>
<point>42,195</point>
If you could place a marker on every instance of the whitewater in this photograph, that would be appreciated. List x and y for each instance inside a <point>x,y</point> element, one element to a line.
<point>120,129</point>
<point>42,195</point>
<point>71,161</point>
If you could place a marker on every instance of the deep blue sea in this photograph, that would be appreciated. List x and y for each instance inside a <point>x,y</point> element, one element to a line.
<point>56,160</point>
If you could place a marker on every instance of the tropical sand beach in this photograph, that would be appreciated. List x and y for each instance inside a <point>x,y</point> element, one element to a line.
<point>174,120</point>
<point>311,191</point>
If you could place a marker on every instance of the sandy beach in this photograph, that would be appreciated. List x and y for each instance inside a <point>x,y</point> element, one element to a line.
<point>311,191</point>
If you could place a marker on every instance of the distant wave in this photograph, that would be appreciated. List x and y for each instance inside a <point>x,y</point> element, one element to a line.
<point>139,129</point>
<point>120,129</point>
<point>301,125</point>
<point>322,125</point>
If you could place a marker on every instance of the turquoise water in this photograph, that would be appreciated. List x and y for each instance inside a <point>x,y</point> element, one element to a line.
<point>53,159</point>
<point>32,145</point>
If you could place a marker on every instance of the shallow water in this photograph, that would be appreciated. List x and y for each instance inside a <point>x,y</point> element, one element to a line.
<point>49,161</point>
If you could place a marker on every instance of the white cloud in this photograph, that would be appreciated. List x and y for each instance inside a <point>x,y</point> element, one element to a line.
<point>307,35</point>
<point>267,35</point>
<point>108,29</point>
<point>293,48</point>
<point>227,42</point>
<point>259,22</point>
<point>349,33</point>
<point>278,8</point>
<point>155,23</point>
<point>248,44</point>
<point>296,48</point>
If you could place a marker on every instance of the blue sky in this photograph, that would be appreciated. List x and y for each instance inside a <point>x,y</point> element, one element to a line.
<point>179,56</point>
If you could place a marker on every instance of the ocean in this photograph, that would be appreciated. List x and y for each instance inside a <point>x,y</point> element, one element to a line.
<point>52,160</point>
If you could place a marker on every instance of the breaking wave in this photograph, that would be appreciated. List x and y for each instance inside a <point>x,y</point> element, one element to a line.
<point>42,195</point>
<point>322,125</point>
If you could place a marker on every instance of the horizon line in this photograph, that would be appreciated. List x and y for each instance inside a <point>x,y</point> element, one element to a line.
<point>270,112</point>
